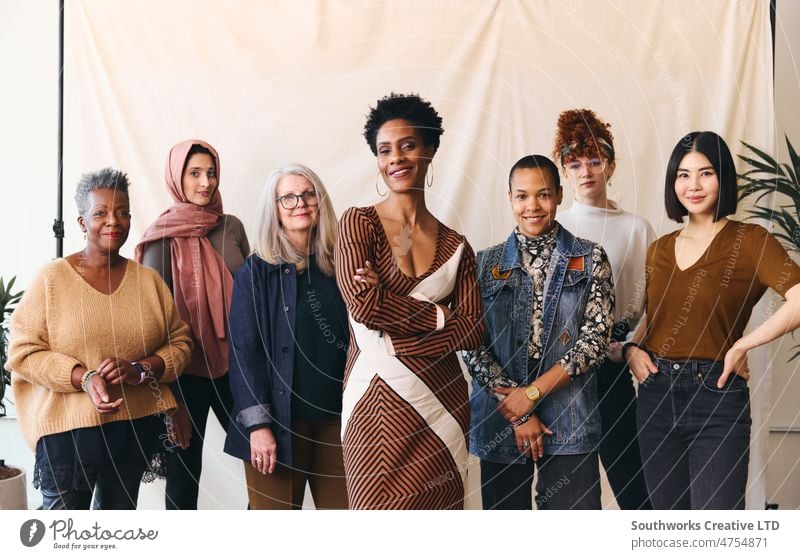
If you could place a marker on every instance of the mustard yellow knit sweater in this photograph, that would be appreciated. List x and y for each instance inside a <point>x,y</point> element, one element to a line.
<point>62,321</point>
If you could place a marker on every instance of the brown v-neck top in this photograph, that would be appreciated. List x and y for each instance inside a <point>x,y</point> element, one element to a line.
<point>700,312</point>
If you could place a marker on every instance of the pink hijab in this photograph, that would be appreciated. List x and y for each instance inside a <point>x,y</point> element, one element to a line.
<point>201,284</point>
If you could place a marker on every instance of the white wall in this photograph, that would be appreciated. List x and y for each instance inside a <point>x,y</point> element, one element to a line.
<point>783,470</point>
<point>28,109</point>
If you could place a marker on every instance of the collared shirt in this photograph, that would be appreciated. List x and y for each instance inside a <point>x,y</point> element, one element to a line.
<point>536,253</point>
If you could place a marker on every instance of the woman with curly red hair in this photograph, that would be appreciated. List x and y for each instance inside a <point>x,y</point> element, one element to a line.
<point>584,148</point>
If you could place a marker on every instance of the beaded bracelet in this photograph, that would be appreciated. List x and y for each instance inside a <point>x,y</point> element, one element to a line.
<point>87,377</point>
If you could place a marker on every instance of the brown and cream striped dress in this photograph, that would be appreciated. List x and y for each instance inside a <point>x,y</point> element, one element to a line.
<point>406,409</point>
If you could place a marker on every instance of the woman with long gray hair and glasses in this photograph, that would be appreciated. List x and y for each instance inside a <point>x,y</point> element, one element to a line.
<point>93,341</point>
<point>288,345</point>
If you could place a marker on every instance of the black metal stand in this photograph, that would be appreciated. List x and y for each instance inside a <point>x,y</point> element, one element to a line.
<point>58,223</point>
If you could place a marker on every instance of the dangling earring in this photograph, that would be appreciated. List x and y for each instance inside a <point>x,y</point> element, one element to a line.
<point>381,194</point>
<point>429,175</point>
<point>84,235</point>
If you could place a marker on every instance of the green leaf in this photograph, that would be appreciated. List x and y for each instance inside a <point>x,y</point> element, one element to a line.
<point>789,172</point>
<point>759,166</point>
<point>762,154</point>
<point>794,158</point>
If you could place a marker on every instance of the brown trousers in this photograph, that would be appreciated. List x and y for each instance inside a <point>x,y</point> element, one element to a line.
<point>316,459</point>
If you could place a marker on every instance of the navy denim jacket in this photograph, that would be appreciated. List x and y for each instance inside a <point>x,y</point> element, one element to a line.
<point>261,352</point>
<point>506,288</point>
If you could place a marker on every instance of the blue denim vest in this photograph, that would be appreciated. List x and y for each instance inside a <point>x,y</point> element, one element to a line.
<point>506,288</point>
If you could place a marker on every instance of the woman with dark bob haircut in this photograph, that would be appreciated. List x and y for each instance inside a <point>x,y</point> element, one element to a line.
<point>409,284</point>
<point>703,281</point>
<point>716,151</point>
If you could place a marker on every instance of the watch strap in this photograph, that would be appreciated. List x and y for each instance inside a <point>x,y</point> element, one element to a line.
<point>625,347</point>
<point>142,370</point>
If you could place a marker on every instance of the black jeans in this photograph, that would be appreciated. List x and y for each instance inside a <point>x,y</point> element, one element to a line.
<point>184,466</point>
<point>123,495</point>
<point>106,460</point>
<point>619,447</point>
<point>565,482</point>
<point>694,437</point>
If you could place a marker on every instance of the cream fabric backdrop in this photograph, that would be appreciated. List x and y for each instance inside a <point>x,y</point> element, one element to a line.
<point>271,82</point>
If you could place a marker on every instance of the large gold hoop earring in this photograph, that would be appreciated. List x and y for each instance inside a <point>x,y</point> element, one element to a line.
<point>381,194</point>
<point>429,175</point>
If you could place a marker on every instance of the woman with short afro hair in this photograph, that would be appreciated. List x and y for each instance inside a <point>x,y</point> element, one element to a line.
<point>409,283</point>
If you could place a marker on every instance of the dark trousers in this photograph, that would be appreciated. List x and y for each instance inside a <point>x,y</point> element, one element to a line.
<point>619,447</point>
<point>316,459</point>
<point>694,437</point>
<point>184,466</point>
<point>121,495</point>
<point>565,482</point>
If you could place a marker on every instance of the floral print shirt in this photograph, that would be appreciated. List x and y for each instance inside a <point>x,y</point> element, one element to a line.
<point>595,330</point>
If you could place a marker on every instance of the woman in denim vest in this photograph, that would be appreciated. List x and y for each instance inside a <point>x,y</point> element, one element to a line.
<point>548,311</point>
<point>702,284</point>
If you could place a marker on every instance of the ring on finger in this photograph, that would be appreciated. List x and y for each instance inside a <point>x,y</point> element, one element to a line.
<point>526,444</point>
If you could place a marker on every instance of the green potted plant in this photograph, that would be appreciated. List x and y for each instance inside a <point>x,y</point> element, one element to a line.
<point>12,480</point>
<point>8,300</point>
<point>779,183</point>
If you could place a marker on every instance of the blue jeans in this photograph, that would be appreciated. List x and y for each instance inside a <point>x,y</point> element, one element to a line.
<point>694,437</point>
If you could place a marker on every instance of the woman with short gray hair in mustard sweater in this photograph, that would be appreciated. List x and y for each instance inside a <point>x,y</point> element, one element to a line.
<point>92,342</point>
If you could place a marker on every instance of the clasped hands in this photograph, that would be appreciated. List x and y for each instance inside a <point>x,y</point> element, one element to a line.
<point>528,435</point>
<point>111,372</point>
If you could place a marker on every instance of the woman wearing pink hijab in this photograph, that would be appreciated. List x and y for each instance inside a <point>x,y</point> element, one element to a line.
<point>197,249</point>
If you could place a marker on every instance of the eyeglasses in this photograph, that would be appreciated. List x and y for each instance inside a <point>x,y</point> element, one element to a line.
<point>291,201</point>
<point>594,165</point>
